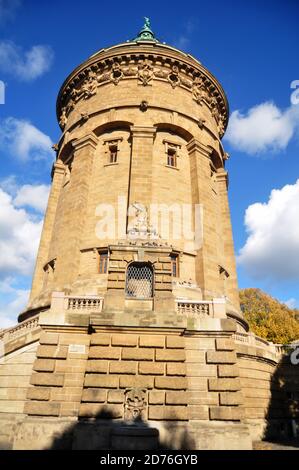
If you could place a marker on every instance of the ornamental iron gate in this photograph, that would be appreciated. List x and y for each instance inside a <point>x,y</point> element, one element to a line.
<point>139,281</point>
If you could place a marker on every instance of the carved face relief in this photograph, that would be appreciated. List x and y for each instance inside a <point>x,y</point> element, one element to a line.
<point>116,73</point>
<point>173,77</point>
<point>63,118</point>
<point>135,403</point>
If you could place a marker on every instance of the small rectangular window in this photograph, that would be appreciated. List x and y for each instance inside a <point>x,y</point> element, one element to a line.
<point>103,264</point>
<point>172,157</point>
<point>174,265</point>
<point>113,150</point>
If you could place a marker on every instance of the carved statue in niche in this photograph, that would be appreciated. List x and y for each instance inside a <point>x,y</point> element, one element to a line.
<point>116,73</point>
<point>63,118</point>
<point>145,72</point>
<point>173,77</point>
<point>139,227</point>
<point>135,404</point>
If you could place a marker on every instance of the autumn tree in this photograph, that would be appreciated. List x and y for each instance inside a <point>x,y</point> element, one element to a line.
<point>269,318</point>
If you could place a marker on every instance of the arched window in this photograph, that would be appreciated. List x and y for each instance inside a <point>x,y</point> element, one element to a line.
<point>139,280</point>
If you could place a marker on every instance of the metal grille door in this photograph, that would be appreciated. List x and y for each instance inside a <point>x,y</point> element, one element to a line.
<point>139,282</point>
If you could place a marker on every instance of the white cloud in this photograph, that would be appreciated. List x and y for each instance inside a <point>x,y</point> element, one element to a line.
<point>19,238</point>
<point>24,141</point>
<point>291,303</point>
<point>263,128</point>
<point>35,196</point>
<point>10,311</point>
<point>183,41</point>
<point>8,9</point>
<point>272,247</point>
<point>27,65</point>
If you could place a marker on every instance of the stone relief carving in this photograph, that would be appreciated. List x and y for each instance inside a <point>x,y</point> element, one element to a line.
<point>220,126</point>
<point>139,226</point>
<point>199,90</point>
<point>116,73</point>
<point>173,77</point>
<point>135,404</point>
<point>143,106</point>
<point>89,87</point>
<point>63,118</point>
<point>145,72</point>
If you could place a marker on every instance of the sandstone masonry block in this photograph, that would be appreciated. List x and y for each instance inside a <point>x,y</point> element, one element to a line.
<point>104,353</point>
<point>124,340</point>
<point>176,342</point>
<point>116,396</point>
<point>89,410</point>
<point>101,381</point>
<point>231,398</point>
<point>42,408</point>
<point>152,341</point>
<point>175,355</point>
<point>171,383</point>
<point>136,381</point>
<point>225,344</point>
<point>221,357</point>
<point>156,398</point>
<point>48,338</point>
<point>123,367</point>
<point>228,371</point>
<point>100,339</point>
<point>95,365</point>
<point>51,352</point>
<point>175,369</point>
<point>137,354</point>
<point>168,413</point>
<point>176,398</point>
<point>198,412</point>
<point>94,395</point>
<point>224,384</point>
<point>44,378</point>
<point>44,365</point>
<point>38,393</point>
<point>226,413</point>
<point>151,368</point>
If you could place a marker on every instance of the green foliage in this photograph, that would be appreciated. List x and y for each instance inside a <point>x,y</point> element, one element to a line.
<point>268,318</point>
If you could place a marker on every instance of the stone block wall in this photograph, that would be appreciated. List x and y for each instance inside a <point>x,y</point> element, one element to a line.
<point>58,375</point>
<point>118,362</point>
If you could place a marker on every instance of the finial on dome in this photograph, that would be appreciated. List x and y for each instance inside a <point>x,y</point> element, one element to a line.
<point>146,33</point>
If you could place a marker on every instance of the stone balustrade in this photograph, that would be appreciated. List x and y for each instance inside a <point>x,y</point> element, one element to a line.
<point>20,329</point>
<point>85,303</point>
<point>193,308</point>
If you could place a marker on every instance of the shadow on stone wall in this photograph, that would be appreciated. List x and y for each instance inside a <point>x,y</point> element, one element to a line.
<point>283,411</point>
<point>105,433</point>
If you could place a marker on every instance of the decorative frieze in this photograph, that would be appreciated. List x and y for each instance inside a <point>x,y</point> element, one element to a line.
<point>144,69</point>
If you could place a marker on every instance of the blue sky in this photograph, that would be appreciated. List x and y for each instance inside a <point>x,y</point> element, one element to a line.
<point>250,46</point>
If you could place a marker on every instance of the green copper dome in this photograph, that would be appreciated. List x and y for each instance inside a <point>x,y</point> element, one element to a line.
<point>146,33</point>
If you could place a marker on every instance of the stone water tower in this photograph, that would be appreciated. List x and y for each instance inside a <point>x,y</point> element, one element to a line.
<point>134,295</point>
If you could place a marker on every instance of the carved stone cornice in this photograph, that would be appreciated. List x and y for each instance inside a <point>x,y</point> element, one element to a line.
<point>143,63</point>
<point>87,140</point>
<point>141,131</point>
<point>222,177</point>
<point>196,145</point>
<point>58,167</point>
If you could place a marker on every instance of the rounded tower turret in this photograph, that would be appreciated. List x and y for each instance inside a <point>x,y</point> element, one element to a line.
<point>139,178</point>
